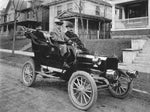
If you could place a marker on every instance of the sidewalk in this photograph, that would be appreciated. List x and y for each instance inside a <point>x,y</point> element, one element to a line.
<point>17,52</point>
<point>19,58</point>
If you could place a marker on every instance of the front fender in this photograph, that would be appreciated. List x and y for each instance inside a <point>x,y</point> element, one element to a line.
<point>130,73</point>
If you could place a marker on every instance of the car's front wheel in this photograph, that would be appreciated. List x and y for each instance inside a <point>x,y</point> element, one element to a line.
<point>82,90</point>
<point>122,87</point>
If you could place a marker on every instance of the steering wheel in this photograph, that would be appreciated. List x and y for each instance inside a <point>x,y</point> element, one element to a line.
<point>70,39</point>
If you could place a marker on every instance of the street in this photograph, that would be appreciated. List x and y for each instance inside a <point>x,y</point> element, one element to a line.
<point>50,95</point>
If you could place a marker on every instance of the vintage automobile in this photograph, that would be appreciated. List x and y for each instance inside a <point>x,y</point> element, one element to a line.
<point>85,75</point>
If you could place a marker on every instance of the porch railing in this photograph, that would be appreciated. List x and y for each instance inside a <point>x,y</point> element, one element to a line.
<point>140,22</point>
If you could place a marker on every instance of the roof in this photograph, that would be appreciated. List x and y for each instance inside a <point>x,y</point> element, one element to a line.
<point>19,4</point>
<point>69,14</point>
<point>125,1</point>
<point>55,2</point>
<point>100,2</point>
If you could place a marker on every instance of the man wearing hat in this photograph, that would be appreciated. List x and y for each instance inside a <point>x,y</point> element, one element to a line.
<point>74,38</point>
<point>60,39</point>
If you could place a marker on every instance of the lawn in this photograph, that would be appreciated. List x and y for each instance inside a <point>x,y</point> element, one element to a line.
<point>109,47</point>
<point>6,43</point>
<point>104,47</point>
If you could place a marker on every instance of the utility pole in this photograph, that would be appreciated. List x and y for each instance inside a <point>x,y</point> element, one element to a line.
<point>14,35</point>
<point>16,7</point>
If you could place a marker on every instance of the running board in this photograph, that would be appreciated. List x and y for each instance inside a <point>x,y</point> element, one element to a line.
<point>48,75</point>
<point>52,69</point>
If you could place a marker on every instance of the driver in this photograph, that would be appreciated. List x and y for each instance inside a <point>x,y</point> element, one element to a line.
<point>59,38</point>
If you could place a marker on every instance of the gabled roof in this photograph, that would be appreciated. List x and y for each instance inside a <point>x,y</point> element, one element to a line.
<point>70,14</point>
<point>55,2</point>
<point>100,2</point>
<point>19,4</point>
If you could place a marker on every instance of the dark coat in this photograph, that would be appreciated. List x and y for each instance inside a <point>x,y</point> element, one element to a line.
<point>74,38</point>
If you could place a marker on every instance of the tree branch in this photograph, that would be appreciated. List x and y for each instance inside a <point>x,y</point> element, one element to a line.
<point>17,5</point>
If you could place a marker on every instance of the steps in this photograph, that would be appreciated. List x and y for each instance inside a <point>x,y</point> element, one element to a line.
<point>141,62</point>
<point>143,58</point>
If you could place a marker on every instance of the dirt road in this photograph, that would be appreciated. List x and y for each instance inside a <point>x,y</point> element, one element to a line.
<point>51,96</point>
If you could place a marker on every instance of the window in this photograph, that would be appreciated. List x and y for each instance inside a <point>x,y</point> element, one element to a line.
<point>137,10</point>
<point>5,18</point>
<point>5,28</point>
<point>69,7</point>
<point>28,15</point>
<point>97,10</point>
<point>59,10</point>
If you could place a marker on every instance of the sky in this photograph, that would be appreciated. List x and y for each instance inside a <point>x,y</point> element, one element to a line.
<point>3,3</point>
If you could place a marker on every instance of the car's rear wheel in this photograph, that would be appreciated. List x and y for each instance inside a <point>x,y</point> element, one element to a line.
<point>28,73</point>
<point>123,86</point>
<point>82,90</point>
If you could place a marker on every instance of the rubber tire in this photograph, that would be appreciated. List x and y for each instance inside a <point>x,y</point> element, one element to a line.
<point>129,89</point>
<point>94,89</point>
<point>31,62</point>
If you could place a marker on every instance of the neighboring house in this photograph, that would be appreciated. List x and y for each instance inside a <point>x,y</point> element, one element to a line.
<point>8,17</point>
<point>134,19</point>
<point>96,16</point>
<point>26,17</point>
<point>39,14</point>
<point>29,19</point>
<point>2,16</point>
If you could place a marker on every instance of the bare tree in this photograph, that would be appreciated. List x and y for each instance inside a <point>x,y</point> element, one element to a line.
<point>79,5</point>
<point>17,5</point>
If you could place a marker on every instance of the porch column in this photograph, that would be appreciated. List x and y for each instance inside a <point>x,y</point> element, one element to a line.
<point>99,26</point>
<point>123,13</point>
<point>87,28</point>
<point>149,13</point>
<point>7,30</point>
<point>76,26</point>
<point>2,29</point>
<point>113,17</point>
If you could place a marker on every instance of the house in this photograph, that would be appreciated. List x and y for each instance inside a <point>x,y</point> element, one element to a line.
<point>133,20</point>
<point>96,15</point>
<point>30,19</point>
<point>2,16</point>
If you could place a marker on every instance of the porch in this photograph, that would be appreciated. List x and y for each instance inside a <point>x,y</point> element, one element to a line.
<point>95,27</point>
<point>139,22</point>
<point>132,14</point>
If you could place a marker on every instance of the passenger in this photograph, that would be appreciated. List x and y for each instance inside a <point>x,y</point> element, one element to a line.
<point>38,43</point>
<point>74,38</point>
<point>38,33</point>
<point>59,38</point>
